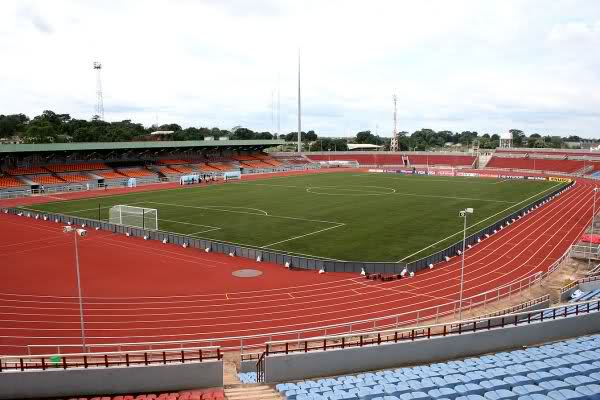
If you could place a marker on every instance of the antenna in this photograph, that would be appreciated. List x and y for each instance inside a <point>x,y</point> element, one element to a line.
<point>299,108</point>
<point>99,101</point>
<point>394,143</point>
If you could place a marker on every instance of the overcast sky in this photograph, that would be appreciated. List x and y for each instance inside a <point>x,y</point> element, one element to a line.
<point>485,65</point>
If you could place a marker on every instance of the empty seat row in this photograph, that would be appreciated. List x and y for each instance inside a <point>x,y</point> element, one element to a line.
<point>200,394</point>
<point>568,365</point>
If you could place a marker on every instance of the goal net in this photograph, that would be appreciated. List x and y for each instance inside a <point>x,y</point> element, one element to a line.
<point>139,217</point>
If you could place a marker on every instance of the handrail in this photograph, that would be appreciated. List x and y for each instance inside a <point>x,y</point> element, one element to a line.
<point>571,285</point>
<point>109,359</point>
<point>517,307</point>
<point>428,331</point>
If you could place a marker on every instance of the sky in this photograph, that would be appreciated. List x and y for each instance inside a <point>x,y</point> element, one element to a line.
<point>483,65</point>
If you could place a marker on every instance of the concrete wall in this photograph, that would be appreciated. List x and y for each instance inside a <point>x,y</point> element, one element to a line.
<point>282,368</point>
<point>248,366</point>
<point>117,380</point>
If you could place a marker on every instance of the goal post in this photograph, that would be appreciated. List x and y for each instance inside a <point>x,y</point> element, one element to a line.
<point>139,217</point>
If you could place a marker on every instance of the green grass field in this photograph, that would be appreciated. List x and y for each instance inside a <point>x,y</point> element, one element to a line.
<point>342,216</point>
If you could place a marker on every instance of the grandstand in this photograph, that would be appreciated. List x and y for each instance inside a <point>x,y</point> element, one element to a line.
<point>161,308</point>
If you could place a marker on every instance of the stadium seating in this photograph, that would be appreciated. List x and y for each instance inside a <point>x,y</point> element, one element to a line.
<point>538,164</point>
<point>109,174</point>
<point>46,179</point>
<point>204,394</point>
<point>569,369</point>
<point>76,167</point>
<point>74,178</point>
<point>182,169</point>
<point>455,161</point>
<point>27,171</point>
<point>136,173</point>
<point>167,171</point>
<point>172,161</point>
<point>10,182</point>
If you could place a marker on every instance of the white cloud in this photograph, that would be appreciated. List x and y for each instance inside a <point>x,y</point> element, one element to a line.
<point>486,66</point>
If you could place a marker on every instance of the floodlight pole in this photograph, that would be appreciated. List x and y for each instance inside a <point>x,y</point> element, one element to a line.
<point>592,230</point>
<point>79,292</point>
<point>462,266</point>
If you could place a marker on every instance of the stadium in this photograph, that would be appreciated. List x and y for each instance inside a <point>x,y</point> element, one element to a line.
<point>229,269</point>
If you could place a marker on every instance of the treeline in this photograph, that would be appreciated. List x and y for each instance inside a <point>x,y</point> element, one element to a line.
<point>50,127</point>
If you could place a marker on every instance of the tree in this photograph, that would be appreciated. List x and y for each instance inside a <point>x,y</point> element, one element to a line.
<point>517,136</point>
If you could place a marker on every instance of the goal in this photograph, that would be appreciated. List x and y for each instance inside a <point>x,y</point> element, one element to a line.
<point>139,217</point>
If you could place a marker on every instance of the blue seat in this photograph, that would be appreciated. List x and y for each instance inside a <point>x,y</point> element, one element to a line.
<point>563,372</point>
<point>517,369</point>
<point>475,376</point>
<point>537,366</point>
<point>518,380</point>
<point>586,368</point>
<point>592,392</point>
<point>414,396</point>
<point>525,390</point>
<point>536,396</point>
<point>494,384</point>
<point>467,389</point>
<point>443,393</point>
<point>566,394</point>
<point>470,397</point>
<point>500,394</point>
<point>541,376</point>
<point>579,380</point>
<point>553,385</point>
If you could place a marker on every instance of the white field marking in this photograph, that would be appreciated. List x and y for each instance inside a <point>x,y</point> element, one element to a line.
<point>301,236</point>
<point>360,192</point>
<point>502,181</point>
<point>266,184</point>
<point>189,223</point>
<point>244,212</point>
<point>224,208</point>
<point>479,223</point>
<point>204,231</point>
<point>453,197</point>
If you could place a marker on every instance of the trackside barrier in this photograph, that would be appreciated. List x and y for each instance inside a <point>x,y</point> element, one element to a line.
<point>289,259</point>
<point>109,359</point>
<point>424,332</point>
<point>576,283</point>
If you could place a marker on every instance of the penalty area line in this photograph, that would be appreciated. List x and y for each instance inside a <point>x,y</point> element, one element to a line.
<point>301,236</point>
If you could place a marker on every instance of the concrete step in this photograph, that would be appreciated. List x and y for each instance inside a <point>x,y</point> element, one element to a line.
<point>251,392</point>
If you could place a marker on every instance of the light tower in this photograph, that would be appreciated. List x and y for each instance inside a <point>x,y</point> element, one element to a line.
<point>394,144</point>
<point>299,109</point>
<point>99,101</point>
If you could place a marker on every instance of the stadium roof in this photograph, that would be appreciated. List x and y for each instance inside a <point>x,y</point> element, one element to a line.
<point>363,146</point>
<point>95,146</point>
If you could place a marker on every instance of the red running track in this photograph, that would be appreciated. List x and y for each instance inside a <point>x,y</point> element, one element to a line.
<point>141,291</point>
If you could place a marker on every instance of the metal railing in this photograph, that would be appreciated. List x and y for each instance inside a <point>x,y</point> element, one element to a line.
<point>518,307</point>
<point>427,332</point>
<point>576,283</point>
<point>109,359</point>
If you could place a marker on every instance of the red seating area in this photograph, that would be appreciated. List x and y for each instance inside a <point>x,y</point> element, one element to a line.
<point>46,179</point>
<point>9,181</point>
<point>200,394</point>
<point>76,167</point>
<point>182,169</point>
<point>110,175</point>
<point>538,164</point>
<point>172,161</point>
<point>557,153</point>
<point>75,178</point>
<point>455,161</point>
<point>256,164</point>
<point>27,171</point>
<point>136,173</point>
<point>240,157</point>
<point>167,171</point>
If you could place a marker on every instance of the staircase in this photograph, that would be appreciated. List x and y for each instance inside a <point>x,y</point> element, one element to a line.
<point>251,392</point>
<point>483,160</point>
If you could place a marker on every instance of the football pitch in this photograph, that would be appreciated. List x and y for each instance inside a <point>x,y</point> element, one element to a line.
<point>339,216</point>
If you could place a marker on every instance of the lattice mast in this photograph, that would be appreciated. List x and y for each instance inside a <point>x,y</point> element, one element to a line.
<point>394,143</point>
<point>99,100</point>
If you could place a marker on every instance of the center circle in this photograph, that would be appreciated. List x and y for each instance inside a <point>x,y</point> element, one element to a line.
<point>247,273</point>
